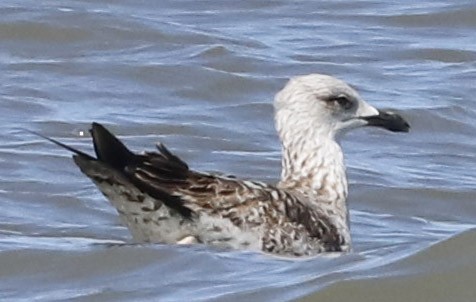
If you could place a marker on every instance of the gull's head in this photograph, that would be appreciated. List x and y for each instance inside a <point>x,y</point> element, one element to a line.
<point>328,106</point>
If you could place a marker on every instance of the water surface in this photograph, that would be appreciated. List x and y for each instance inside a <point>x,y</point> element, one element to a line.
<point>200,76</point>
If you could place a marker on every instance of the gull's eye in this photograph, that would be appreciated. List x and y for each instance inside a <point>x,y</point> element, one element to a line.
<point>343,102</point>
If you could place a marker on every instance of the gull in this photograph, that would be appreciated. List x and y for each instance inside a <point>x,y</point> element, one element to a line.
<point>161,200</point>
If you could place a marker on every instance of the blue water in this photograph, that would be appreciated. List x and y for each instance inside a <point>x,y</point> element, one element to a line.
<point>200,76</point>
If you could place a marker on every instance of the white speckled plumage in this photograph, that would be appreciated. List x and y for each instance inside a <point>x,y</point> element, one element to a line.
<point>161,200</point>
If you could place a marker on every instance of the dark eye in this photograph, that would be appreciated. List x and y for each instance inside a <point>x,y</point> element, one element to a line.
<point>343,101</point>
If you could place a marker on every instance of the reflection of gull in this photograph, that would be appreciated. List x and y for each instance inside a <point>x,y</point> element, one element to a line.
<point>161,200</point>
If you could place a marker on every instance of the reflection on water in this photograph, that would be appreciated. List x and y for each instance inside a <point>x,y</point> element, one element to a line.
<point>200,77</point>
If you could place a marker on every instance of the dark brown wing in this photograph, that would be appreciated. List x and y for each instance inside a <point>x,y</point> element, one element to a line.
<point>165,177</point>
<point>164,173</point>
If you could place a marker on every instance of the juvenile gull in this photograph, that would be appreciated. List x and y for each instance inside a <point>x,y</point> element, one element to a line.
<point>161,200</point>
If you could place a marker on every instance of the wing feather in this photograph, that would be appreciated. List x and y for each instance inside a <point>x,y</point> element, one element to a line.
<point>231,198</point>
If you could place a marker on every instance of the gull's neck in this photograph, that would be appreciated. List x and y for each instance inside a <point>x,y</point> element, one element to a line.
<point>313,167</point>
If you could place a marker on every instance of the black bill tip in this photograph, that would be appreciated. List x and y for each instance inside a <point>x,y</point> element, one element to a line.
<point>388,120</point>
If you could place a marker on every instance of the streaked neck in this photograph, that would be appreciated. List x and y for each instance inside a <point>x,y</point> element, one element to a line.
<point>313,166</point>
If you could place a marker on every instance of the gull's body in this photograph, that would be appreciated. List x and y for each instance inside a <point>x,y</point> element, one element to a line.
<point>161,200</point>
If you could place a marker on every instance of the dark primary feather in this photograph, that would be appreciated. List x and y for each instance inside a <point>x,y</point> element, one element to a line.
<point>109,149</point>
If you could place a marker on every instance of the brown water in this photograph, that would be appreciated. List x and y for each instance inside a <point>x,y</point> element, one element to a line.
<point>200,76</point>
